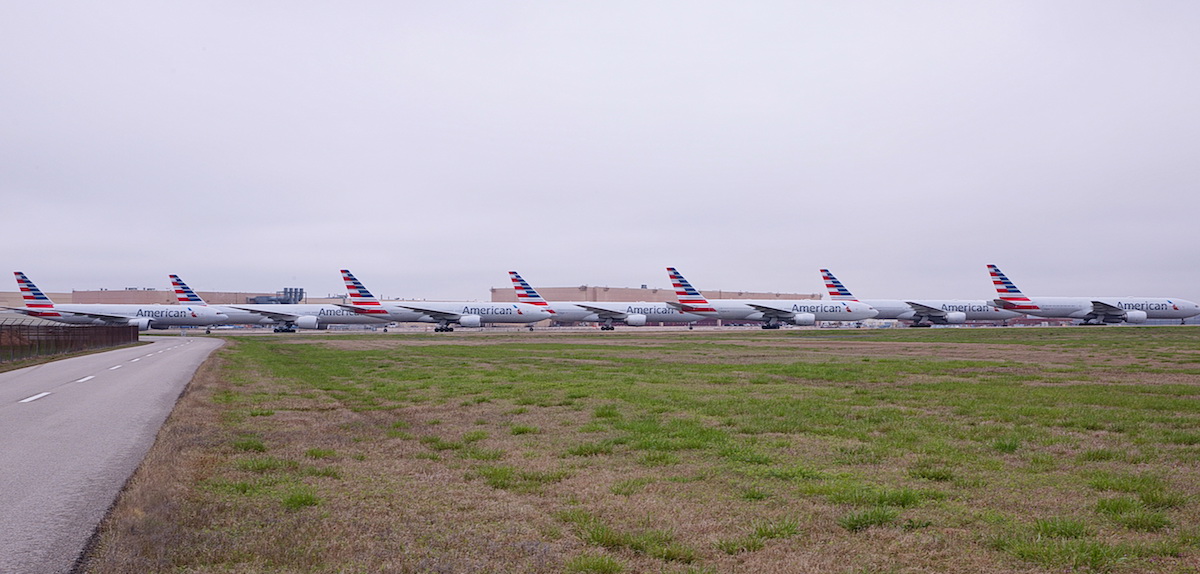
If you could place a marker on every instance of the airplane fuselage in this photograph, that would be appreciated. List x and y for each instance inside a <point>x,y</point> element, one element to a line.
<point>974,310</point>
<point>145,316</point>
<point>1082,307</point>
<point>486,312</point>
<point>816,309</point>
<point>590,312</point>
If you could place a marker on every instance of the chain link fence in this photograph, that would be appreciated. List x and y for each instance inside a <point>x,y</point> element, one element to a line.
<point>20,341</point>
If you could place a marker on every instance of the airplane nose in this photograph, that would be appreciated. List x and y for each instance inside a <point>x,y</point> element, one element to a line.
<point>872,313</point>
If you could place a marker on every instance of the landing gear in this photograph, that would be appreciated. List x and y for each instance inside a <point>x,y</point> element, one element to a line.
<point>771,324</point>
<point>443,328</point>
<point>531,328</point>
<point>607,325</point>
<point>286,328</point>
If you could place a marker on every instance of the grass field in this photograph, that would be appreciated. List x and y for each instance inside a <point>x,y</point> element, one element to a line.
<point>857,451</point>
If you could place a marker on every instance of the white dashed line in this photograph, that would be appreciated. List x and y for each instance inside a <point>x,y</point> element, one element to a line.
<point>135,360</point>
<point>86,379</point>
<point>115,368</point>
<point>34,397</point>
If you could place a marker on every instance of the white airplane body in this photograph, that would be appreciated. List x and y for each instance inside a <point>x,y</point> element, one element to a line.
<point>1092,310</point>
<point>922,312</point>
<point>144,317</point>
<point>771,312</point>
<point>463,313</point>
<point>634,314</point>
<point>285,316</point>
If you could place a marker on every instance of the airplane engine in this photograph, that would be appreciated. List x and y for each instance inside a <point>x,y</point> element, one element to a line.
<point>956,317</point>
<point>635,320</point>
<point>1135,316</point>
<point>470,321</point>
<point>803,319</point>
<point>310,322</point>
<point>143,323</point>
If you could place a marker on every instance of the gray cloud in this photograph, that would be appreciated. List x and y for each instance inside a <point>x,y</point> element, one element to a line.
<point>433,147</point>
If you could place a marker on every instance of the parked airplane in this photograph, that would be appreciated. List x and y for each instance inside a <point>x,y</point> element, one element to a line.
<point>444,313</point>
<point>772,313</point>
<point>634,314</point>
<point>1093,310</point>
<point>922,312</point>
<point>286,317</point>
<point>37,304</point>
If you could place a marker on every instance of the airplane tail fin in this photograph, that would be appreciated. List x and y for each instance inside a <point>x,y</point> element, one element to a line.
<point>33,296</point>
<point>689,297</point>
<point>184,294</point>
<point>525,292</point>
<point>360,298</point>
<point>1010,296</point>
<point>837,291</point>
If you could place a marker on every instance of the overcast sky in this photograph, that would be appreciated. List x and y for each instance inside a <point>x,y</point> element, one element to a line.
<point>431,147</point>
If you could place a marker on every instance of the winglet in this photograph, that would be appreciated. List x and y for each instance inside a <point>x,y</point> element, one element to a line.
<point>360,298</point>
<point>526,293</point>
<point>184,294</point>
<point>837,291</point>
<point>690,298</point>
<point>30,293</point>
<point>1012,297</point>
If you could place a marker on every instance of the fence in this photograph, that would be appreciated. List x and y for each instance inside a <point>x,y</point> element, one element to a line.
<point>24,341</point>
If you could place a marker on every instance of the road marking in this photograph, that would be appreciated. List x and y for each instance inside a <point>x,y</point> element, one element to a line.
<point>150,355</point>
<point>34,397</point>
<point>86,379</point>
<point>115,368</point>
<point>135,360</point>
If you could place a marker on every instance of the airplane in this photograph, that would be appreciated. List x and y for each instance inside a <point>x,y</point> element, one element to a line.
<point>286,317</point>
<point>1092,310</point>
<point>145,317</point>
<point>634,314</point>
<point>445,313</point>
<point>772,313</point>
<point>922,312</point>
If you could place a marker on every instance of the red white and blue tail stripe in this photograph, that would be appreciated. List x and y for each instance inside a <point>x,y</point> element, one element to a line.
<point>689,297</point>
<point>30,293</point>
<point>184,294</point>
<point>525,292</point>
<point>1010,297</point>
<point>362,299</point>
<point>837,291</point>
<point>34,298</point>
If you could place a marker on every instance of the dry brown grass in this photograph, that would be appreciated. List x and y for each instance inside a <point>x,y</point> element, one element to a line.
<point>399,489</point>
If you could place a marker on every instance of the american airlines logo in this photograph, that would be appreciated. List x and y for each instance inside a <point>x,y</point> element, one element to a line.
<point>798,308</point>
<point>1145,306</point>
<point>967,308</point>
<point>164,313</point>
<point>491,311</point>
<point>664,310</point>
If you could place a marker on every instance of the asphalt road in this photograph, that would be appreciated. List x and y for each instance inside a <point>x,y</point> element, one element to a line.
<point>71,434</point>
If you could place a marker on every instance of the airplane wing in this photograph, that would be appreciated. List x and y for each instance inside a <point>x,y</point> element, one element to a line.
<point>34,312</point>
<point>1102,308</point>
<point>436,314</point>
<point>268,314</point>
<point>771,311</point>
<point>925,309</point>
<point>360,309</point>
<point>603,312</point>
